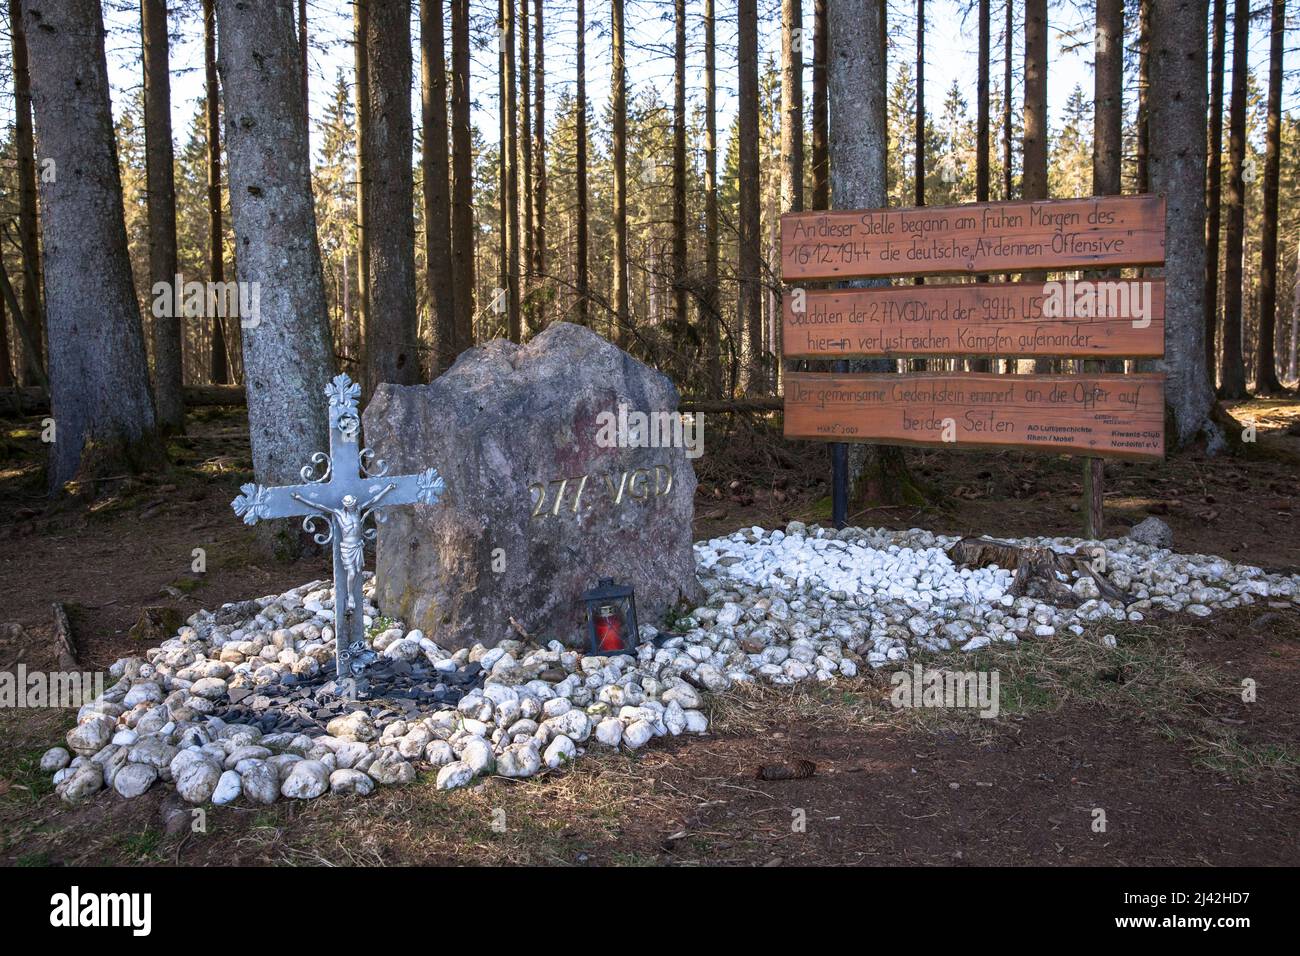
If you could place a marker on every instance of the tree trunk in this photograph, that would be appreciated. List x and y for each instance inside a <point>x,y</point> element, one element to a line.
<point>681,317</point>
<point>538,264</point>
<point>859,138</point>
<point>1107,160</point>
<point>1008,130</point>
<point>437,201</point>
<point>303,54</point>
<point>791,106</point>
<point>31,370</point>
<point>361,30</point>
<point>918,136</point>
<point>1266,382</point>
<point>6,359</point>
<point>1178,171</point>
<point>821,164</point>
<point>512,175</point>
<point>286,346</point>
<point>791,143</point>
<point>580,173</point>
<point>1214,190</point>
<point>524,159</point>
<point>749,301</point>
<point>1033,183</point>
<point>392,350</point>
<point>712,318</point>
<point>462,173</point>
<point>99,376</point>
<point>618,99</point>
<point>218,358</point>
<point>1233,372</point>
<point>161,196</point>
<point>1108,126</point>
<point>1144,97</point>
<point>982,157</point>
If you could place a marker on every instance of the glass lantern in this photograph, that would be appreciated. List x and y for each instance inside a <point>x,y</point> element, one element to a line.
<point>611,619</point>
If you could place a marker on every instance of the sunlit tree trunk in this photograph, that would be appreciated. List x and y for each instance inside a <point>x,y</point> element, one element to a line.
<point>791,141</point>
<point>1008,130</point>
<point>1214,189</point>
<point>161,197</point>
<point>538,158</point>
<point>1266,381</point>
<point>618,101</point>
<point>1033,183</point>
<point>218,359</point>
<point>859,138</point>
<point>580,174</point>
<point>437,183</point>
<point>1233,372</point>
<point>1178,101</point>
<point>286,345</point>
<point>361,29</point>
<point>1144,97</point>
<point>392,349</point>
<point>462,176</point>
<point>31,370</point>
<point>749,265</point>
<point>821,165</point>
<point>524,158</point>
<point>713,324</point>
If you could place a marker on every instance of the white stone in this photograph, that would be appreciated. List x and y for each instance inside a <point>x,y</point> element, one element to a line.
<point>519,760</point>
<point>229,788</point>
<point>609,731</point>
<point>134,779</point>
<point>454,775</point>
<point>637,734</point>
<point>196,775</point>
<point>351,781</point>
<point>478,755</point>
<point>260,781</point>
<point>561,751</point>
<point>56,758</point>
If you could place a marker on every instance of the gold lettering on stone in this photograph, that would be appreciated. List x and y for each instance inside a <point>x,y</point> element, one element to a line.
<point>639,485</point>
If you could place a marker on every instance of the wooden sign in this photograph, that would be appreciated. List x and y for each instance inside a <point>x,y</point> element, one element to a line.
<point>1069,318</point>
<point>1090,233</point>
<point>1111,416</point>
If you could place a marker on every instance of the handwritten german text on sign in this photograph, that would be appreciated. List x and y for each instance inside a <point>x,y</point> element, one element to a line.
<point>1113,416</point>
<point>1069,318</point>
<point>987,237</point>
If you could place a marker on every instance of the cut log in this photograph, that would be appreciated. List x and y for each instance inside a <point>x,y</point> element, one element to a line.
<point>1039,572</point>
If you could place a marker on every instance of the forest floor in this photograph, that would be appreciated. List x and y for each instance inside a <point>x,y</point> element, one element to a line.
<point>1153,733</point>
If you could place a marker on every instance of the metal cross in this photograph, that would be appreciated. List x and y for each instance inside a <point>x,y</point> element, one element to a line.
<point>352,486</point>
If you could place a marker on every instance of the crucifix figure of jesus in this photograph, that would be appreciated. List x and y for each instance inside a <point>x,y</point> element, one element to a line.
<point>350,488</point>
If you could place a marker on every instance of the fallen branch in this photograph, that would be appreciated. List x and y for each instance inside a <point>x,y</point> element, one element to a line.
<point>66,643</point>
<point>1036,569</point>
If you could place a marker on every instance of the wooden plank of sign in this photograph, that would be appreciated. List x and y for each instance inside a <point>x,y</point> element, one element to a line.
<point>997,318</point>
<point>1109,416</point>
<point>1019,236</point>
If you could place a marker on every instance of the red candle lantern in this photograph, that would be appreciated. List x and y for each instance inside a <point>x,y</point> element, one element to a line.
<point>611,619</point>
